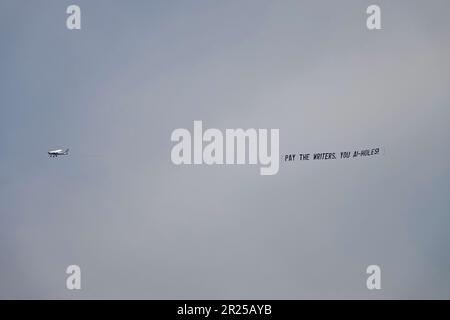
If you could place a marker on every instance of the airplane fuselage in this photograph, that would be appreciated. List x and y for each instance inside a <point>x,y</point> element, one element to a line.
<point>59,152</point>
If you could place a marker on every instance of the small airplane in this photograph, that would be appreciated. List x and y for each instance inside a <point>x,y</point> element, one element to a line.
<point>60,152</point>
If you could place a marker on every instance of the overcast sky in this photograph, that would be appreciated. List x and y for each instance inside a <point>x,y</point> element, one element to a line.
<point>141,227</point>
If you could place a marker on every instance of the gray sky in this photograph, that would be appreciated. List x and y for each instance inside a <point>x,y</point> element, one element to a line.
<point>141,227</point>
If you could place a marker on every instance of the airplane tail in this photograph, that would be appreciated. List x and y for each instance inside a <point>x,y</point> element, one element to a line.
<point>66,152</point>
